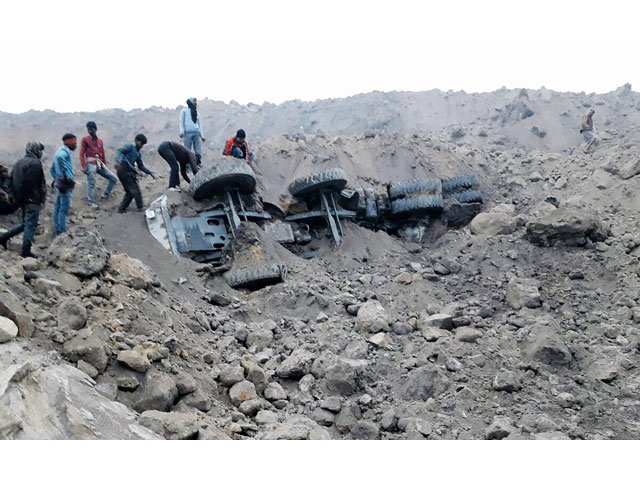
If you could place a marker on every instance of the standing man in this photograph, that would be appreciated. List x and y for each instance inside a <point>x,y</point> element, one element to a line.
<point>127,158</point>
<point>63,182</point>
<point>191,128</point>
<point>238,147</point>
<point>7,202</point>
<point>30,189</point>
<point>93,162</point>
<point>587,131</point>
<point>177,156</point>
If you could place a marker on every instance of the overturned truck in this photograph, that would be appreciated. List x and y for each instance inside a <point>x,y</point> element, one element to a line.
<point>227,196</point>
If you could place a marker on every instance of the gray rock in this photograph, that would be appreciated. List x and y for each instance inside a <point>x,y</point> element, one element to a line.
<point>346,419</point>
<point>86,345</point>
<point>171,425</point>
<point>404,278</point>
<point>265,417</point>
<point>500,428</point>
<point>12,308</point>
<point>468,334</point>
<point>87,368</point>
<point>276,395</point>
<point>424,383</point>
<point>322,417</point>
<point>241,392</point>
<point>251,407</point>
<point>523,293</point>
<point>8,330</point>
<point>159,393</point>
<point>72,314</point>
<point>259,340</point>
<point>127,383</point>
<point>543,344</point>
<point>571,226</point>
<point>231,374</point>
<point>506,381</point>
<point>47,287</point>
<point>431,334</point>
<point>382,340</point>
<point>365,430</point>
<point>198,399</point>
<point>333,404</point>
<point>135,360</point>
<point>372,318</point>
<point>439,320</point>
<point>185,383</point>
<point>80,253</point>
<point>132,272</point>
<point>342,378</point>
<point>453,364</point>
<point>389,421</point>
<point>493,223</point>
<point>604,370</point>
<point>295,365</point>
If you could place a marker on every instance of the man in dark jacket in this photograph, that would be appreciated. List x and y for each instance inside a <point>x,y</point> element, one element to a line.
<point>127,158</point>
<point>30,190</point>
<point>7,202</point>
<point>178,156</point>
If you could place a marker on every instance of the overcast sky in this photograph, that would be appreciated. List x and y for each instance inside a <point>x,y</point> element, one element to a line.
<point>71,55</point>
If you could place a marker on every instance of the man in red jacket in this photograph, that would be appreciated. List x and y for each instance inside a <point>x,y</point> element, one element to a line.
<point>238,147</point>
<point>93,162</point>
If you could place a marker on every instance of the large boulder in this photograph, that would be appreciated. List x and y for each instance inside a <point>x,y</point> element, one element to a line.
<point>132,272</point>
<point>500,220</point>
<point>544,344</point>
<point>80,252</point>
<point>72,314</point>
<point>171,425</point>
<point>372,318</point>
<point>295,365</point>
<point>159,393</point>
<point>41,398</point>
<point>523,292</point>
<point>8,330</point>
<point>424,383</point>
<point>572,226</point>
<point>87,346</point>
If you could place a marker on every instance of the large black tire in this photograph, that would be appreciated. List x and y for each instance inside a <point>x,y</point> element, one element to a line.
<point>214,179</point>
<point>332,179</point>
<point>468,196</point>
<point>255,277</point>
<point>459,184</point>
<point>431,186</point>
<point>417,205</point>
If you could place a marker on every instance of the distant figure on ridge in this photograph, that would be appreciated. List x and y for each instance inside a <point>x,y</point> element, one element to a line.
<point>191,128</point>
<point>588,131</point>
<point>127,158</point>
<point>178,157</point>
<point>30,190</point>
<point>238,147</point>
<point>93,162</point>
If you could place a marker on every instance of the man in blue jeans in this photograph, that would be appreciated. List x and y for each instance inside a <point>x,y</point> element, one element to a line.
<point>30,191</point>
<point>191,128</point>
<point>63,182</point>
<point>93,162</point>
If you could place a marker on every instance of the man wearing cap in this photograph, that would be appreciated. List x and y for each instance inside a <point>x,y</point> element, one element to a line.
<point>30,190</point>
<point>238,147</point>
<point>93,162</point>
<point>191,128</point>
<point>63,182</point>
<point>127,159</point>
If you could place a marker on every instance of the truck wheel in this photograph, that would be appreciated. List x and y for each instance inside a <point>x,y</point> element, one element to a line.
<point>227,175</point>
<point>254,278</point>
<point>332,179</point>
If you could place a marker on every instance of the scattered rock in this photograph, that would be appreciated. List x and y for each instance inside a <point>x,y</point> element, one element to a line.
<point>135,360</point>
<point>523,292</point>
<point>132,272</point>
<point>372,318</point>
<point>241,392</point>
<point>295,365</point>
<point>8,330</point>
<point>171,425</point>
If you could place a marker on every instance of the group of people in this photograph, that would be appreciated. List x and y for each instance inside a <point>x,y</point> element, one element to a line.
<point>25,187</point>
